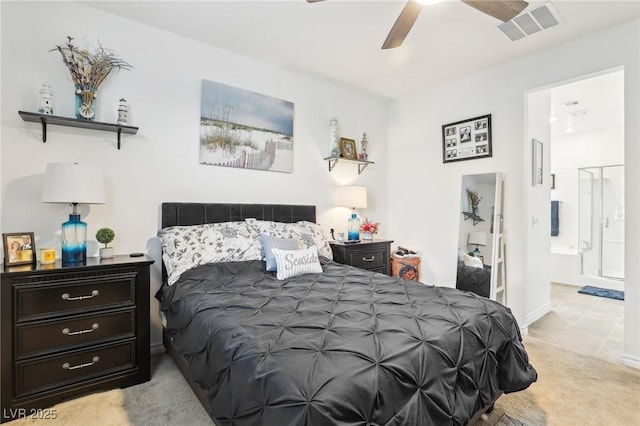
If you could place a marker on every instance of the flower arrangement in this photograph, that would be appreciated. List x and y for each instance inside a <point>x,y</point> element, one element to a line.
<point>88,71</point>
<point>370,227</point>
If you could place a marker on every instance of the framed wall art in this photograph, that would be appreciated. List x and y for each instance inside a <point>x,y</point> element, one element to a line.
<point>536,162</point>
<point>348,149</point>
<point>467,139</point>
<point>244,129</point>
<point>18,248</point>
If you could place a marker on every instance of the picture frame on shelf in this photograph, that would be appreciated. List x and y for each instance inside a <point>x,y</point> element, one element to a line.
<point>19,248</point>
<point>467,139</point>
<point>348,149</point>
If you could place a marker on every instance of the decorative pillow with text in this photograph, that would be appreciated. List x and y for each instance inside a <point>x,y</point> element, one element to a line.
<point>292,263</point>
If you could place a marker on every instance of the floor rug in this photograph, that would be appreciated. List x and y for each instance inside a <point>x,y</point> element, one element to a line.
<point>505,420</point>
<point>602,292</point>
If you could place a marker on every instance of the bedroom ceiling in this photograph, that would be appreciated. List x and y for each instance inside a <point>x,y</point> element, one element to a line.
<point>340,40</point>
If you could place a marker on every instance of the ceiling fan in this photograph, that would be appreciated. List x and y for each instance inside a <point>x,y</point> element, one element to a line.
<point>505,10</point>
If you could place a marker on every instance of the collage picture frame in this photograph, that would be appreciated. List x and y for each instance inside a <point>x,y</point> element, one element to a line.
<point>467,139</point>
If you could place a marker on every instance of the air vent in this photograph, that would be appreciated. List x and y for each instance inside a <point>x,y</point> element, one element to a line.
<point>531,22</point>
<point>570,104</point>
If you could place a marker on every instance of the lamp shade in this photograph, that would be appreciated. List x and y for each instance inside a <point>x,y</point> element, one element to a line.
<point>352,196</point>
<point>477,238</point>
<point>73,183</point>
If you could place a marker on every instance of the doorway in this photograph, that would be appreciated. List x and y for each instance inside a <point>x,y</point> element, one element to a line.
<point>581,124</point>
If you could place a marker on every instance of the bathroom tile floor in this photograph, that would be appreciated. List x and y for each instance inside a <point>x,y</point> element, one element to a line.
<point>583,323</point>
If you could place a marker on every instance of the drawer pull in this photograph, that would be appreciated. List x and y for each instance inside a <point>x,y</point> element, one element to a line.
<point>93,328</point>
<point>94,293</point>
<point>66,365</point>
<point>369,259</point>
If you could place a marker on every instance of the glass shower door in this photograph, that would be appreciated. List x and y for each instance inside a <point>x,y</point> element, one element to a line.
<point>601,221</point>
<point>612,258</point>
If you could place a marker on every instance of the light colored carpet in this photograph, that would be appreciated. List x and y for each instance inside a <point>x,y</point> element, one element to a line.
<point>572,389</point>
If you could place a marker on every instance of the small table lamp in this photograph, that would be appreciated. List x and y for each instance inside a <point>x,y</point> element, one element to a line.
<point>479,239</point>
<point>354,197</point>
<point>73,184</point>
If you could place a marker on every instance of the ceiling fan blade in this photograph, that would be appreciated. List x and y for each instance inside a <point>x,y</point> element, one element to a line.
<point>403,25</point>
<point>313,1</point>
<point>504,10</point>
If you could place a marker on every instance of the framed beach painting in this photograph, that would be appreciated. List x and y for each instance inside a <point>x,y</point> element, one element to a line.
<point>244,129</point>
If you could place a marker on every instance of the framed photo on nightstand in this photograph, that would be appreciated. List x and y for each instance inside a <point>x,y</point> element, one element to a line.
<point>18,248</point>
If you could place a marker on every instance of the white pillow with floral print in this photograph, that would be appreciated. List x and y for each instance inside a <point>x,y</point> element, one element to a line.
<point>185,247</point>
<point>309,233</point>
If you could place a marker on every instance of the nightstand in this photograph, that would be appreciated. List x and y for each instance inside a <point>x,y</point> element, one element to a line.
<point>373,255</point>
<point>67,331</point>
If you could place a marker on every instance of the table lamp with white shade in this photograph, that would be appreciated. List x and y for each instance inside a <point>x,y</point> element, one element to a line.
<point>72,183</point>
<point>479,239</point>
<point>354,197</point>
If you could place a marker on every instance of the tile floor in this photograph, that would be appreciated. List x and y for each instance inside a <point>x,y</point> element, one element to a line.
<point>587,324</point>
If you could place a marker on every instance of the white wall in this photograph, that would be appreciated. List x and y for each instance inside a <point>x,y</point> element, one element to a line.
<point>160,163</point>
<point>537,257</point>
<point>429,221</point>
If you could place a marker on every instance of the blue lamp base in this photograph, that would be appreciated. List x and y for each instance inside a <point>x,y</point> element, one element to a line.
<point>476,252</point>
<point>74,240</point>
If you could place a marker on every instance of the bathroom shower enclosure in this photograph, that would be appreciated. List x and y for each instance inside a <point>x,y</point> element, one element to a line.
<point>601,221</point>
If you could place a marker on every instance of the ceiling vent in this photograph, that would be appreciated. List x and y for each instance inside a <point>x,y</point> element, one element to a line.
<point>531,22</point>
<point>570,104</point>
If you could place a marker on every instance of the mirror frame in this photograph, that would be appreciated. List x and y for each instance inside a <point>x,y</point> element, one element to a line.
<point>497,289</point>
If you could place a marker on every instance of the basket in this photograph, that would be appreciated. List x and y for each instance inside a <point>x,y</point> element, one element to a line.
<point>406,267</point>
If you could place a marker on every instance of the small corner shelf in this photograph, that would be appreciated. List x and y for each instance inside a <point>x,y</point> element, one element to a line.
<point>45,119</point>
<point>362,164</point>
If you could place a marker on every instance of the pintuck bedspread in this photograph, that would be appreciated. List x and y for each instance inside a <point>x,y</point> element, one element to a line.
<point>344,347</point>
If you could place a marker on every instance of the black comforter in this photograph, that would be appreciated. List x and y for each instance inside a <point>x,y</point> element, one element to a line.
<point>345,347</point>
<point>477,280</point>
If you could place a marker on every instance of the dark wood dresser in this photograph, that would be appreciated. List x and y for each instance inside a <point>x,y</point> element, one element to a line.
<point>67,331</point>
<point>373,255</point>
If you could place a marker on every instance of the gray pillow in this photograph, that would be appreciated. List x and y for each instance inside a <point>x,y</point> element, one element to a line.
<point>269,242</point>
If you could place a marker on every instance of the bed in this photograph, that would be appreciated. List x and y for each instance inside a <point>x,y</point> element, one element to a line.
<point>474,279</point>
<point>344,346</point>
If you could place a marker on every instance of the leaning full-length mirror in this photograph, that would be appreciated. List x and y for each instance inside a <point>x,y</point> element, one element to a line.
<point>481,267</point>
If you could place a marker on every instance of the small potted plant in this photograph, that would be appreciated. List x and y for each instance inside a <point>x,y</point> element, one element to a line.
<point>105,236</point>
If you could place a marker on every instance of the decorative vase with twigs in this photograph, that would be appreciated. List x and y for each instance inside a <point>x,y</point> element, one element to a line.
<point>88,71</point>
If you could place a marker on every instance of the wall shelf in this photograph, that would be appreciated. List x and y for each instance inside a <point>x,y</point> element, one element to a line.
<point>361,163</point>
<point>45,119</point>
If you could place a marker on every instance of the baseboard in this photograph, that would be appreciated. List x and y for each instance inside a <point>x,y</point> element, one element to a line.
<point>538,313</point>
<point>524,331</point>
<point>631,361</point>
<point>157,349</point>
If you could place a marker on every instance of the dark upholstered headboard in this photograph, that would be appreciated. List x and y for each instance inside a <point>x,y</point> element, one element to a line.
<point>198,213</point>
<point>186,214</point>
